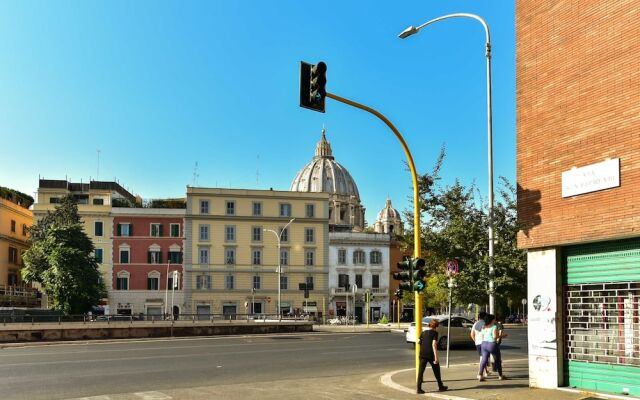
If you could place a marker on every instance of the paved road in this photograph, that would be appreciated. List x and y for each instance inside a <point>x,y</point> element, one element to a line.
<point>82,370</point>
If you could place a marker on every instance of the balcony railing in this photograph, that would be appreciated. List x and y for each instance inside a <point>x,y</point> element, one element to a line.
<point>339,291</point>
<point>18,296</point>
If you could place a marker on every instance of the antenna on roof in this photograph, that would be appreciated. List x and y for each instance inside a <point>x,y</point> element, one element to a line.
<point>195,175</point>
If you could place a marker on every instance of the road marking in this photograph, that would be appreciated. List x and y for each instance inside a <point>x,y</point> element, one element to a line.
<point>153,396</point>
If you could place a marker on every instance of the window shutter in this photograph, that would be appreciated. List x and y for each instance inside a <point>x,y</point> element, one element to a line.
<point>159,261</point>
<point>130,229</point>
<point>119,230</point>
<point>180,258</point>
<point>160,230</point>
<point>148,257</point>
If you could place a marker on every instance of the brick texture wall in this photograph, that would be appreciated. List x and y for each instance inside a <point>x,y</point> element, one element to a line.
<point>578,103</point>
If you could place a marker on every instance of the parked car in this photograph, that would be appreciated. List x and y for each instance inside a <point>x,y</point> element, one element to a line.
<point>460,330</point>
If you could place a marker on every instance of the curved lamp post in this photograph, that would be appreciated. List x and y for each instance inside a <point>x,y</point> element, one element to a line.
<point>413,30</point>
<point>279,270</point>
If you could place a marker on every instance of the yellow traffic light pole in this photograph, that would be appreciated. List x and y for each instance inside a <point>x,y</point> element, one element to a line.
<point>416,210</point>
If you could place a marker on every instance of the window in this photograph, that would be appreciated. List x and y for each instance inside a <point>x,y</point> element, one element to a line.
<point>284,257</point>
<point>122,281</point>
<point>156,230</point>
<point>204,206</point>
<point>204,232</point>
<point>175,257</point>
<point>97,228</point>
<point>358,257</point>
<point>204,256</point>
<point>375,281</point>
<point>284,283</point>
<point>125,230</point>
<point>174,230</point>
<point>285,210</point>
<point>343,280</point>
<point>309,210</point>
<point>13,225</point>
<point>203,282</point>
<point>359,280</point>
<point>256,282</point>
<point>257,208</point>
<point>284,234</point>
<point>230,233</point>
<point>309,235</point>
<point>309,256</point>
<point>170,281</point>
<point>24,229</point>
<point>342,256</point>
<point>228,282</point>
<point>309,280</point>
<point>13,255</point>
<point>153,282</point>
<point>124,256</point>
<point>230,255</point>
<point>231,208</point>
<point>257,257</point>
<point>154,257</point>
<point>375,257</point>
<point>98,201</point>
<point>54,200</point>
<point>257,234</point>
<point>98,255</point>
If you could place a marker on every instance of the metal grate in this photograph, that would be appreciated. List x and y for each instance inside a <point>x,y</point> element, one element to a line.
<point>602,323</point>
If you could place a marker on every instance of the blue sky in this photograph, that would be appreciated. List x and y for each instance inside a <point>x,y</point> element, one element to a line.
<point>158,86</point>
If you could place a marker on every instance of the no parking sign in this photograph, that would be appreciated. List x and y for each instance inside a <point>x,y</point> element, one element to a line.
<point>452,267</point>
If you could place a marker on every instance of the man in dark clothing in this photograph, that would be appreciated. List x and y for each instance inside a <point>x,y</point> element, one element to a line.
<point>429,354</point>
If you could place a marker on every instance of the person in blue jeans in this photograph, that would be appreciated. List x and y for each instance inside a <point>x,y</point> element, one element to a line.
<point>490,336</point>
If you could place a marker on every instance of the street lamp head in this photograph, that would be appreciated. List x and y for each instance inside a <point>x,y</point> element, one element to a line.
<point>408,32</point>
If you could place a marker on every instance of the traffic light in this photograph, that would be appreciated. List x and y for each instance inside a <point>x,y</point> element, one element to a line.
<point>419,274</point>
<point>399,293</point>
<point>405,275</point>
<point>313,80</point>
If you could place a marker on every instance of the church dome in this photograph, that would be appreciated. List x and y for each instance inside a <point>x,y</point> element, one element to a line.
<point>388,212</point>
<point>324,174</point>
<point>389,220</point>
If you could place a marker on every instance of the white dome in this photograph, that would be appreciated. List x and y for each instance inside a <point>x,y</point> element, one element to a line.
<point>325,174</point>
<point>388,212</point>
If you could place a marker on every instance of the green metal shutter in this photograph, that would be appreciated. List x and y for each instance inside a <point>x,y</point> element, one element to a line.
<point>603,262</point>
<point>602,295</point>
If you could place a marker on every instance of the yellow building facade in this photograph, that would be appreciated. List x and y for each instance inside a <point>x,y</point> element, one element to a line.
<point>15,221</point>
<point>232,257</point>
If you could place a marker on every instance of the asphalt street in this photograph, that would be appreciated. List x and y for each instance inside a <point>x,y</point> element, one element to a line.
<point>94,369</point>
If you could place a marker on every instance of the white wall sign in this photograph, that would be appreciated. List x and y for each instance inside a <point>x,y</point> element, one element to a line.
<point>591,178</point>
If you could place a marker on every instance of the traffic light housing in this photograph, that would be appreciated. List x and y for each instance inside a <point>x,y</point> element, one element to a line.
<point>399,294</point>
<point>419,274</point>
<point>404,275</point>
<point>313,81</point>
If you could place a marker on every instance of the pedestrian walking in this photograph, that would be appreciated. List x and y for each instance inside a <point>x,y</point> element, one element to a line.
<point>500,329</point>
<point>490,347</point>
<point>429,354</point>
<point>476,336</point>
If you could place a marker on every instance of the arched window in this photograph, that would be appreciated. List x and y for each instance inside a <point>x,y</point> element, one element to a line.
<point>153,280</point>
<point>122,281</point>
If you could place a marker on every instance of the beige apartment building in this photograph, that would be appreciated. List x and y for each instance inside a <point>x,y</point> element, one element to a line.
<point>95,201</point>
<point>231,251</point>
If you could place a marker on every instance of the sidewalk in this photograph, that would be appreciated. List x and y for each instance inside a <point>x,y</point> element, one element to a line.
<point>463,384</point>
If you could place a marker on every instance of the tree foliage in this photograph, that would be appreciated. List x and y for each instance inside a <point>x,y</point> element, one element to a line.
<point>455,223</point>
<point>61,259</point>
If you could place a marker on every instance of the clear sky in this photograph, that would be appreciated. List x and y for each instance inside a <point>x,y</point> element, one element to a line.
<point>157,86</point>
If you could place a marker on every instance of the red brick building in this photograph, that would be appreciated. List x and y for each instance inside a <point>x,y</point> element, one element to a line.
<point>147,249</point>
<point>578,155</point>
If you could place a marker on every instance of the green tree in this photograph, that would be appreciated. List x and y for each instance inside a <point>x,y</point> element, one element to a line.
<point>61,259</point>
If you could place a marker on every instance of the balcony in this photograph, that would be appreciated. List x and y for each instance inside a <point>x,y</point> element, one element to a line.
<point>338,291</point>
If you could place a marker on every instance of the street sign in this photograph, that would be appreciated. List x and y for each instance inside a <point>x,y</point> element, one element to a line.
<point>452,267</point>
<point>268,299</point>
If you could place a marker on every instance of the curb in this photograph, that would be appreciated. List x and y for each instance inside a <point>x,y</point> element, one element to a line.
<point>387,380</point>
